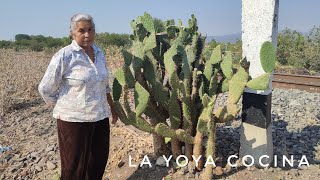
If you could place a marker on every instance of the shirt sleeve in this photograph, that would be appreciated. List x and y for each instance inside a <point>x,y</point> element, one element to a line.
<point>50,83</point>
<point>108,89</point>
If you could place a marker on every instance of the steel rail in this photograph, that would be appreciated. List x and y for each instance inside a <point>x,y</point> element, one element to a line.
<point>292,81</point>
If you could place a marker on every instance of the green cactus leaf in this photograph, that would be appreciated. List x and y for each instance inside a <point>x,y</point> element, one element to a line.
<point>139,19</point>
<point>138,56</point>
<point>121,114</point>
<point>172,31</point>
<point>184,136</point>
<point>205,100</point>
<point>221,115</point>
<point>132,37</point>
<point>193,24</point>
<point>140,32</point>
<point>184,35</point>
<point>201,90</point>
<point>225,85</point>
<point>208,70</point>
<point>213,87</point>
<point>160,94</point>
<point>164,130</point>
<point>141,97</point>
<point>148,22</point>
<point>169,22</point>
<point>150,42</point>
<point>186,65</point>
<point>168,60</point>
<point>195,41</point>
<point>260,82</point>
<point>126,104</point>
<point>167,140</point>
<point>216,55</point>
<point>143,125</point>
<point>131,116</point>
<point>205,118</point>
<point>267,56</point>
<point>186,111</point>
<point>210,151</point>
<point>191,56</point>
<point>127,57</point>
<point>133,24</point>
<point>174,82</point>
<point>125,77</point>
<point>116,90</point>
<point>237,85</point>
<point>174,110</point>
<point>226,65</point>
<point>149,69</point>
<point>233,109</point>
<point>180,22</point>
<point>211,124</point>
<point>153,112</point>
<point>194,88</point>
<point>202,126</point>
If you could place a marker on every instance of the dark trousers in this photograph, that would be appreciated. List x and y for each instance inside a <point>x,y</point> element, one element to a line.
<point>84,149</point>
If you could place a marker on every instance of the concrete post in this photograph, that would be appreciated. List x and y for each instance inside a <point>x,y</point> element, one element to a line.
<point>259,24</point>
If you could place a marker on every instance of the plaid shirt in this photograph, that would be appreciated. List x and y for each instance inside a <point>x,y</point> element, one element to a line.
<point>76,86</point>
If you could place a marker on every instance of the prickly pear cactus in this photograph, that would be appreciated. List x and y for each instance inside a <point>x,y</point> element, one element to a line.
<point>175,87</point>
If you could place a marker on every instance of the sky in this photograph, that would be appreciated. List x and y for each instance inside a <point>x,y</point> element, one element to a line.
<point>215,17</point>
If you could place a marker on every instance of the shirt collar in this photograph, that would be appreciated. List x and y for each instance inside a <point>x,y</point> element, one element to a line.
<point>76,47</point>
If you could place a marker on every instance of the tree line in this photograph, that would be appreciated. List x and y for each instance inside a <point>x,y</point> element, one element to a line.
<point>293,49</point>
<point>41,43</point>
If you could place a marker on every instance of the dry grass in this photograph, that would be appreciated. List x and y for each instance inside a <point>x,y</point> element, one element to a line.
<point>114,58</point>
<point>22,71</point>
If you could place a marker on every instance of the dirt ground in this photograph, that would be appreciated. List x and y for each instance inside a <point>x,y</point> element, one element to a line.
<point>28,130</point>
<point>31,129</point>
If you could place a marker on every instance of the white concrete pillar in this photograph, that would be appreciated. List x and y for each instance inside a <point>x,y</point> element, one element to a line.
<point>259,24</point>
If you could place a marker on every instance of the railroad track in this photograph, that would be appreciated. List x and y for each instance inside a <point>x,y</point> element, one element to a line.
<point>301,82</point>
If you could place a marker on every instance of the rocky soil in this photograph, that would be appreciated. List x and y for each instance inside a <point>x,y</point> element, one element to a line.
<point>29,150</point>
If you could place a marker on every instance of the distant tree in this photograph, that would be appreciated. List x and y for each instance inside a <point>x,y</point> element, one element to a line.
<point>40,38</point>
<point>208,48</point>
<point>6,44</point>
<point>314,36</point>
<point>66,41</point>
<point>22,44</point>
<point>213,43</point>
<point>312,49</point>
<point>236,50</point>
<point>36,46</point>
<point>54,42</point>
<point>19,37</point>
<point>107,39</point>
<point>290,48</point>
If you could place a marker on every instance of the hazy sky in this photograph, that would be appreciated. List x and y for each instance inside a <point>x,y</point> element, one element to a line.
<point>215,17</point>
